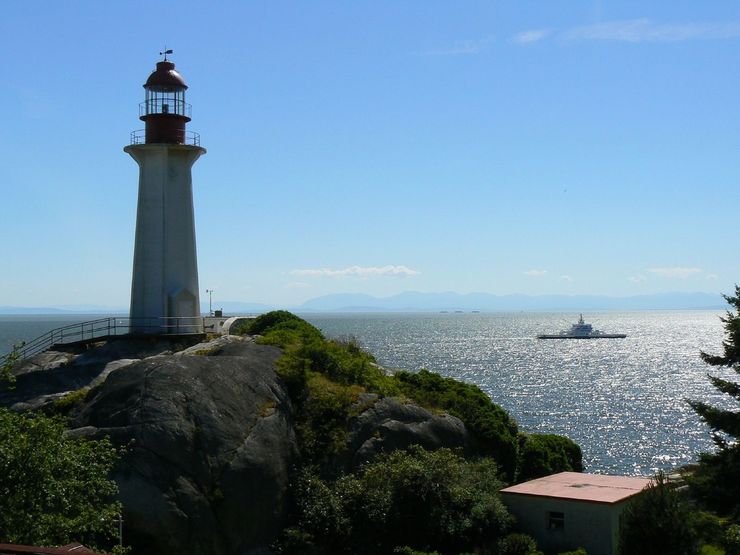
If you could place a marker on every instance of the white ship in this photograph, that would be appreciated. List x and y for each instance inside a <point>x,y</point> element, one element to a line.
<point>582,330</point>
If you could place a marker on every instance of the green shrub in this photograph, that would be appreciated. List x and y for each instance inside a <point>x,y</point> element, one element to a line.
<point>579,551</point>
<point>715,481</point>
<point>545,454</point>
<point>657,520</point>
<point>731,540</point>
<point>322,427</point>
<point>54,489</point>
<point>417,499</point>
<point>7,363</point>
<point>709,527</point>
<point>492,427</point>
<point>271,320</point>
<point>64,405</point>
<point>517,544</point>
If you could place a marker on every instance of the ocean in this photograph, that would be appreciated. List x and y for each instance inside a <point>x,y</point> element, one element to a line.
<point>622,400</point>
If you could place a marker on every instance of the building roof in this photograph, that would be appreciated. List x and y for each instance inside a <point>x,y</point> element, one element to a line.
<point>71,549</point>
<point>596,488</point>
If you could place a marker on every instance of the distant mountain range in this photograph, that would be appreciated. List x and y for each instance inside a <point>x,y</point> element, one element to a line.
<point>414,301</point>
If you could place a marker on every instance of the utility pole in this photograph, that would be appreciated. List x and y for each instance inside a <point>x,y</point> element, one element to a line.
<point>210,301</point>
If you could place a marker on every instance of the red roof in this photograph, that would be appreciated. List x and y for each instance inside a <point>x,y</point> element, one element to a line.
<point>165,77</point>
<point>597,488</point>
<point>72,548</point>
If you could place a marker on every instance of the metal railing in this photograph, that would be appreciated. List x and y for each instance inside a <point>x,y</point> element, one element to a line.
<point>138,137</point>
<point>109,327</point>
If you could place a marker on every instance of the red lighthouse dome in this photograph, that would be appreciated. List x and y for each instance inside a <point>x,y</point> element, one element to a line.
<point>164,110</point>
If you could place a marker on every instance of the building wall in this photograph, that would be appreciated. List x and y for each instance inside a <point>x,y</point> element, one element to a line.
<point>593,526</point>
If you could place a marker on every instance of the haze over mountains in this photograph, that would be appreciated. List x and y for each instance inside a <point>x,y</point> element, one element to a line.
<point>414,301</point>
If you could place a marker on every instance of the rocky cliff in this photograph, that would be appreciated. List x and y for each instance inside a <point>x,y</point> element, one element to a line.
<point>210,435</point>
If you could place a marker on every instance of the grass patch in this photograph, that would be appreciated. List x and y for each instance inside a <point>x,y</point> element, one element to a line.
<point>64,405</point>
<point>207,351</point>
<point>267,408</point>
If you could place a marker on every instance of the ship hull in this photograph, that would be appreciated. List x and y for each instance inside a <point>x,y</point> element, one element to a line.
<point>602,336</point>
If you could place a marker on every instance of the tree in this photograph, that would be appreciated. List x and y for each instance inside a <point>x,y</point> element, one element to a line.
<point>7,378</point>
<point>420,500</point>
<point>724,421</point>
<point>657,520</point>
<point>716,479</point>
<point>54,489</point>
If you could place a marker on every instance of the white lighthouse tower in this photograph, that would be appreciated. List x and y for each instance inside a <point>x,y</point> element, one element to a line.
<point>164,287</point>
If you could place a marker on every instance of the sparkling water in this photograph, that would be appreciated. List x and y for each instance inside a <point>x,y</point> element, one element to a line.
<point>622,400</point>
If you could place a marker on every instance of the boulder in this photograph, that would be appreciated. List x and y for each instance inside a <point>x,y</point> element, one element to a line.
<point>210,447</point>
<point>388,424</point>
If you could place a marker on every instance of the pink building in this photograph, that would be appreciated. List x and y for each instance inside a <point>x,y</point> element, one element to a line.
<point>570,510</point>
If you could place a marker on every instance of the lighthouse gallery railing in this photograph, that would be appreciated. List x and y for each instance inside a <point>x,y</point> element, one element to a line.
<point>138,137</point>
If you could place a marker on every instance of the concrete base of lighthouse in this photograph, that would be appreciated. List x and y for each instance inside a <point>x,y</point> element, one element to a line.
<point>164,286</point>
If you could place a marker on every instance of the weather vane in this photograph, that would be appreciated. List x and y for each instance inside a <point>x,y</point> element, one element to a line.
<point>165,52</point>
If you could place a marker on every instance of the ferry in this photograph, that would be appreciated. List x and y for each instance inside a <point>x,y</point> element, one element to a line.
<point>582,330</point>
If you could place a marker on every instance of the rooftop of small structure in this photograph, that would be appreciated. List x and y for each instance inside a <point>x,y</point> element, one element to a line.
<point>596,488</point>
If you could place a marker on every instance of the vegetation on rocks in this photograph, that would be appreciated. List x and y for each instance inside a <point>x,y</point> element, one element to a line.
<point>343,364</point>
<point>544,454</point>
<point>408,501</point>
<point>54,489</point>
<point>492,427</point>
<point>7,378</point>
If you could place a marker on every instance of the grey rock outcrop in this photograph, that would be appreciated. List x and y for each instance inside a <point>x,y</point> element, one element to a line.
<point>50,375</point>
<point>388,424</point>
<point>210,449</point>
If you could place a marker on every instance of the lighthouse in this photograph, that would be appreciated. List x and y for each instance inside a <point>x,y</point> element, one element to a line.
<point>164,285</point>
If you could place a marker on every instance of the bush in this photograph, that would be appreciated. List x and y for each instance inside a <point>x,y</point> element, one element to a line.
<point>731,540</point>
<point>54,489</point>
<point>7,363</point>
<point>270,320</point>
<point>545,454</point>
<point>709,527</point>
<point>715,481</point>
<point>492,427</point>
<point>419,500</point>
<point>657,521</point>
<point>64,405</point>
<point>518,544</point>
<point>322,426</point>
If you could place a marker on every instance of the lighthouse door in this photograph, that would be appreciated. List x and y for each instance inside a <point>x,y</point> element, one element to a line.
<point>183,307</point>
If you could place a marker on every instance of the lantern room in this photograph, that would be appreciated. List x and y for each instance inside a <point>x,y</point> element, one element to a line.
<point>164,110</point>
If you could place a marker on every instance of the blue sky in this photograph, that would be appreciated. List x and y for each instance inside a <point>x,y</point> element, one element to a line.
<point>381,146</point>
